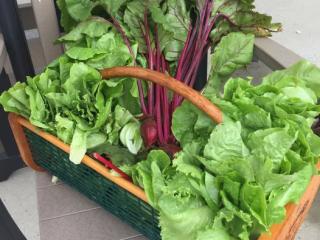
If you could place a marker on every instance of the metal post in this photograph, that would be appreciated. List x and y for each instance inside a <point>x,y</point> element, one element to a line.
<point>17,49</point>
<point>10,159</point>
<point>15,40</point>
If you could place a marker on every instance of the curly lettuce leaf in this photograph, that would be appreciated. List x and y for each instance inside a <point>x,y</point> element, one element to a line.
<point>190,124</point>
<point>16,100</point>
<point>150,174</point>
<point>226,142</point>
<point>301,74</point>
<point>182,211</point>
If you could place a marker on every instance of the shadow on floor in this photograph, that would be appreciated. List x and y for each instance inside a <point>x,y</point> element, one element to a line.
<point>8,228</point>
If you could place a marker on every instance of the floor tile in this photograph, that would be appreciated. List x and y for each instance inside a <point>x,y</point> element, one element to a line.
<point>94,225</point>
<point>310,229</point>
<point>19,196</point>
<point>58,200</point>
<point>44,179</point>
<point>140,237</point>
<point>257,70</point>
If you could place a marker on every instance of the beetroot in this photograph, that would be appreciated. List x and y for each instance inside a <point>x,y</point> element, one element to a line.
<point>170,149</point>
<point>158,104</point>
<point>149,132</point>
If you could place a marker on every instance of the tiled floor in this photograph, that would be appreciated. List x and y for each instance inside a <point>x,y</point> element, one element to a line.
<point>76,217</point>
<point>19,196</point>
<point>310,230</point>
<point>60,207</point>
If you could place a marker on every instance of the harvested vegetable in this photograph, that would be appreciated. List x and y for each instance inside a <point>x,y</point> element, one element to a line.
<point>233,180</point>
<point>207,181</point>
<point>170,36</point>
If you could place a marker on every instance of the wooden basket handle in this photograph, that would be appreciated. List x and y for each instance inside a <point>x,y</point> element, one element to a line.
<point>168,82</point>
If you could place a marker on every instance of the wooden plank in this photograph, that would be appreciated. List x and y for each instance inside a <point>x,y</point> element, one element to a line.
<point>274,55</point>
<point>46,19</point>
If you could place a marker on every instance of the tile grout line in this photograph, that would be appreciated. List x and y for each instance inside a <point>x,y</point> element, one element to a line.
<point>50,185</point>
<point>132,237</point>
<point>69,214</point>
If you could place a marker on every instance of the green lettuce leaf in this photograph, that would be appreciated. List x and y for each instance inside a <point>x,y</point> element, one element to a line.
<point>272,143</point>
<point>150,175</point>
<point>226,143</point>
<point>233,52</point>
<point>78,146</point>
<point>16,100</point>
<point>66,21</point>
<point>131,138</point>
<point>190,124</point>
<point>300,74</point>
<point>79,10</point>
<point>182,212</point>
<point>281,196</point>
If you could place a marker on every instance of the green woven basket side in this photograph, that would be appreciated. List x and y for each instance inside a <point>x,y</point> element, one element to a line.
<point>110,196</point>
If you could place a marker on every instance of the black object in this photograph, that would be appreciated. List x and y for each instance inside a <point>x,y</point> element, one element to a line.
<point>8,228</point>
<point>10,159</point>
<point>58,13</point>
<point>201,79</point>
<point>15,40</point>
<point>9,164</point>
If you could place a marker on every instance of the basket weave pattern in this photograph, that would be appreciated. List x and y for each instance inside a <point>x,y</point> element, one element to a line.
<point>110,196</point>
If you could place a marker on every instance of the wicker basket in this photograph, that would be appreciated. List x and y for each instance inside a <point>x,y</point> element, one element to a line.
<point>44,152</point>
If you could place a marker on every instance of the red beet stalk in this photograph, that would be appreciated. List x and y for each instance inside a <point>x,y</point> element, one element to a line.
<point>110,165</point>
<point>156,126</point>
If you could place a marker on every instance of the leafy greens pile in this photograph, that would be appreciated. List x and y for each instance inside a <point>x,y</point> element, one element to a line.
<point>70,99</point>
<point>77,106</point>
<point>229,181</point>
<point>233,180</point>
<point>169,36</point>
